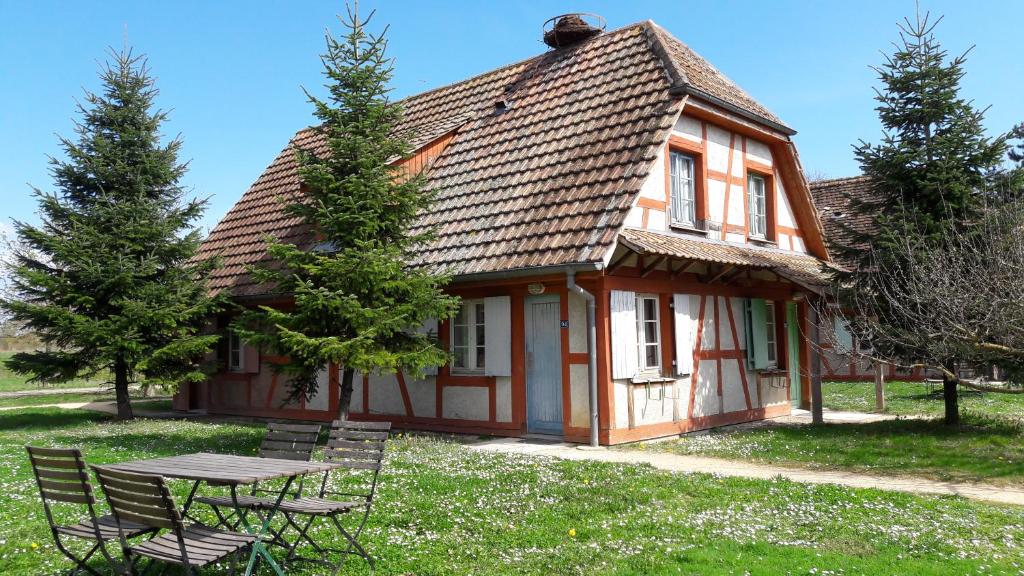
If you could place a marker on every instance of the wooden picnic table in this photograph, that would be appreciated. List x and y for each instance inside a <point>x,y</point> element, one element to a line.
<point>232,471</point>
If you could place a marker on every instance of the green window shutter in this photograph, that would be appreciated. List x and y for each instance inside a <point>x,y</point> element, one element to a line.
<point>844,340</point>
<point>759,333</point>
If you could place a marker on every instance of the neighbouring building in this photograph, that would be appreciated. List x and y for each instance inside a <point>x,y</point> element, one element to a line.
<point>619,165</point>
<point>842,355</point>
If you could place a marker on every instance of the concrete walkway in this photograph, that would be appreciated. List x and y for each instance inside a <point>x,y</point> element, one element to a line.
<point>105,406</point>
<point>58,391</point>
<point>734,468</point>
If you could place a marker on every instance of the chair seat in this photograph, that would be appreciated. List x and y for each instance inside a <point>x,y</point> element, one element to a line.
<point>315,506</point>
<point>244,501</point>
<point>204,545</point>
<point>107,525</point>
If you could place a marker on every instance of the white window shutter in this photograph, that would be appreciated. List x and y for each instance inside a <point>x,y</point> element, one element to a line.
<point>498,336</point>
<point>429,327</point>
<point>686,318</point>
<point>624,336</point>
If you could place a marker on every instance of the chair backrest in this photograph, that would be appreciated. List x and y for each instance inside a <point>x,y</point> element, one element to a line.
<point>290,441</point>
<point>357,446</point>
<point>61,476</point>
<point>139,498</point>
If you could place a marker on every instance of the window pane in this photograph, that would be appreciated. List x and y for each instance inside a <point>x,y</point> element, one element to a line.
<point>480,357</point>
<point>681,188</point>
<point>459,360</point>
<point>650,332</point>
<point>650,309</point>
<point>652,356</point>
<point>480,313</point>
<point>460,334</point>
<point>479,335</point>
<point>460,315</point>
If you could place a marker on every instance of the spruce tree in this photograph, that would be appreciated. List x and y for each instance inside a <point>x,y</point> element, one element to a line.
<point>933,167</point>
<point>357,300</point>
<point>107,280</point>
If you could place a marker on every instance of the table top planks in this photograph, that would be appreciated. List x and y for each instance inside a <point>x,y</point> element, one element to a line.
<point>222,468</point>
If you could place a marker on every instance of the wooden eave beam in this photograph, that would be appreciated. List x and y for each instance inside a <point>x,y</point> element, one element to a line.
<point>619,262</point>
<point>646,271</point>
<point>682,268</point>
<point>721,273</point>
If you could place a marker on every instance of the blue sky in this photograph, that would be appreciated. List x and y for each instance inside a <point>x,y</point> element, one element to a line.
<point>232,72</point>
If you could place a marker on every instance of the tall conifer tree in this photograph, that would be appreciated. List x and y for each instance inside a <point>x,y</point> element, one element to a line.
<point>357,301</point>
<point>933,166</point>
<point>107,279</point>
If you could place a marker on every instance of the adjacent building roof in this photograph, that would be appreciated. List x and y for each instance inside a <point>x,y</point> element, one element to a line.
<point>803,269</point>
<point>832,199</point>
<point>546,159</point>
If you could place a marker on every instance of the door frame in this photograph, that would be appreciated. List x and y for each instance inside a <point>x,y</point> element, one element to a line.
<point>550,298</point>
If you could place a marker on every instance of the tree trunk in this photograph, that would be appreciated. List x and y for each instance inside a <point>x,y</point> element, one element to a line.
<point>949,394</point>
<point>879,387</point>
<point>345,398</point>
<point>124,405</point>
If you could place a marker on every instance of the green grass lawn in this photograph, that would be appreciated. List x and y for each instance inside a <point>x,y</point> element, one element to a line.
<point>65,398</point>
<point>911,398</point>
<point>446,509</point>
<point>11,382</point>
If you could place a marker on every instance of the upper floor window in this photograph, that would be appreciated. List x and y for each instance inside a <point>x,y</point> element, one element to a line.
<point>468,337</point>
<point>683,189</point>
<point>648,333</point>
<point>758,206</point>
<point>236,354</point>
<point>770,338</point>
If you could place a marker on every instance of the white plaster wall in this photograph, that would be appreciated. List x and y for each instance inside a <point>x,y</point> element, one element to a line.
<point>737,238</point>
<point>656,219</point>
<point>356,403</point>
<point>708,339</point>
<point>718,149</point>
<point>784,210</point>
<point>635,217</point>
<point>654,186</point>
<point>798,245</point>
<point>738,315</point>
<point>463,402</point>
<point>705,399</point>
<point>385,396</point>
<point>758,152</point>
<point>725,330</point>
<point>773,396</point>
<point>737,157</point>
<point>579,396</point>
<point>733,398</point>
<point>503,399</point>
<point>716,200</point>
<point>784,242</point>
<point>577,323</point>
<point>321,400</point>
<point>621,388</point>
<point>689,128</point>
<point>683,396</point>
<point>737,209</point>
<point>423,397</point>
<point>653,404</point>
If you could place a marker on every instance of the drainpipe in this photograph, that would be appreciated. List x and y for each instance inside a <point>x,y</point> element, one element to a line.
<point>570,277</point>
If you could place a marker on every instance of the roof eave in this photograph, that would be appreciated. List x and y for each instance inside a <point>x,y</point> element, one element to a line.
<point>689,89</point>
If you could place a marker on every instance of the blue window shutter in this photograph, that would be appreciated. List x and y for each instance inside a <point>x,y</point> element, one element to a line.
<point>844,340</point>
<point>498,336</point>
<point>759,333</point>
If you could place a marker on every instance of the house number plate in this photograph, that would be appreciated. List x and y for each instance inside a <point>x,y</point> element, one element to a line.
<point>563,323</point>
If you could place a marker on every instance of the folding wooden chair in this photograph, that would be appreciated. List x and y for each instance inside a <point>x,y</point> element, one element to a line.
<point>285,441</point>
<point>62,478</point>
<point>145,500</point>
<point>359,448</point>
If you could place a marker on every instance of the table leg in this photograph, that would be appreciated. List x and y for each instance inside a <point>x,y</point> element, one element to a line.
<point>258,548</point>
<point>188,501</point>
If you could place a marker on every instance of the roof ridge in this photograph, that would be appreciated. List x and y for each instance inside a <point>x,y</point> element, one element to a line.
<point>826,181</point>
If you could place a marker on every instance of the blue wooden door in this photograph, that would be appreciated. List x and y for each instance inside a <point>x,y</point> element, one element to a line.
<point>543,365</point>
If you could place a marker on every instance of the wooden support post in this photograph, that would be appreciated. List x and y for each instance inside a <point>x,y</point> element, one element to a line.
<point>817,413</point>
<point>879,387</point>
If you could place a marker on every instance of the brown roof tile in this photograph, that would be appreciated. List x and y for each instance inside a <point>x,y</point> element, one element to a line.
<point>832,198</point>
<point>803,269</point>
<point>546,181</point>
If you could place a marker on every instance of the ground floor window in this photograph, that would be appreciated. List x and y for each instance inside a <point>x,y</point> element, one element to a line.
<point>236,354</point>
<point>648,333</point>
<point>468,338</point>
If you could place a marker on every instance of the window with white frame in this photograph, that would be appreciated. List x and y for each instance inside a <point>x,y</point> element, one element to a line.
<point>236,354</point>
<point>648,333</point>
<point>758,206</point>
<point>468,338</point>
<point>769,324</point>
<point>682,189</point>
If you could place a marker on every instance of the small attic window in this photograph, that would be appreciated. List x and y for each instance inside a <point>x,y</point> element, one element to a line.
<point>502,105</point>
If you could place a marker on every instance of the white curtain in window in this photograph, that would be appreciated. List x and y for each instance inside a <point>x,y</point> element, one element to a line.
<point>624,336</point>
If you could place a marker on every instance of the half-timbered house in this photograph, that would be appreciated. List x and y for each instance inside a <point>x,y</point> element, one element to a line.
<point>630,233</point>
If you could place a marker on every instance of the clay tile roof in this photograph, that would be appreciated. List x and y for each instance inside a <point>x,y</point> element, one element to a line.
<point>693,74</point>
<point>832,198</point>
<point>803,269</point>
<point>546,181</point>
